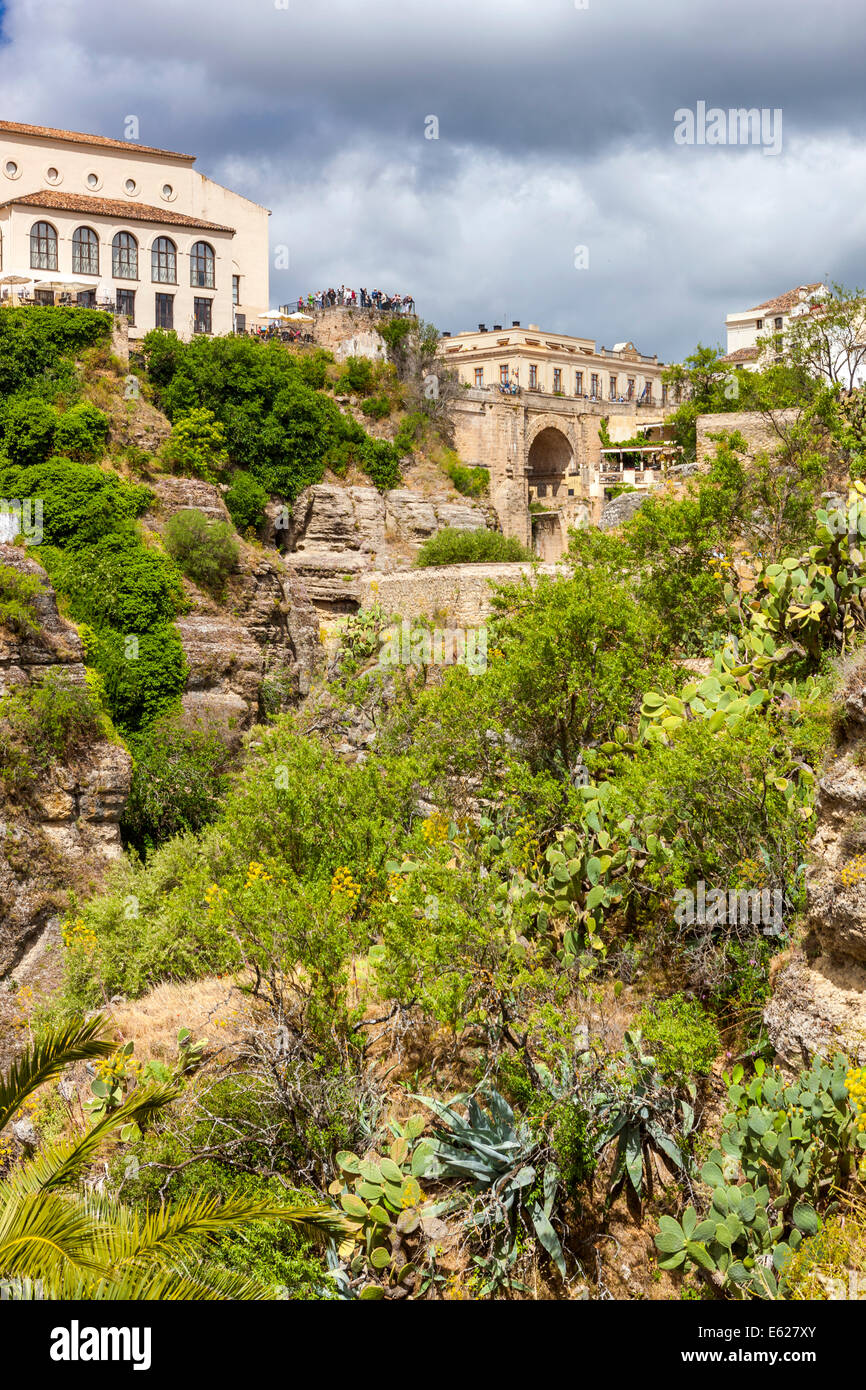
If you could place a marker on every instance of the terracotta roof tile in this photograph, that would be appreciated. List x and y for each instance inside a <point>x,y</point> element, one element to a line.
<point>783,302</point>
<point>75,137</point>
<point>745,354</point>
<point>111,207</point>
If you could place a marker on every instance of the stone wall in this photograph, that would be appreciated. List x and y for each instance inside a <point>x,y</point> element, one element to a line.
<point>348,332</point>
<point>459,593</point>
<point>755,429</point>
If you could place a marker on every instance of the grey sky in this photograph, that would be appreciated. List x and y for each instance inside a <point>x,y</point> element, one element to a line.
<point>555,131</point>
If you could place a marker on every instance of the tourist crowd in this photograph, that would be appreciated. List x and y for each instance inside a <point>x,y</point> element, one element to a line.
<point>357,299</point>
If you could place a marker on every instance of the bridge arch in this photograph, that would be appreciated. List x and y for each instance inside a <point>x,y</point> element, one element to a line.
<point>549,456</point>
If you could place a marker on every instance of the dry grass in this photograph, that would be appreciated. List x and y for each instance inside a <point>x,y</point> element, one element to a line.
<point>213,1008</point>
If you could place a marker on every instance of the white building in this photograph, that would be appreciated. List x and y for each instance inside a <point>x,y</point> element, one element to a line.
<point>122,225</point>
<point>766,321</point>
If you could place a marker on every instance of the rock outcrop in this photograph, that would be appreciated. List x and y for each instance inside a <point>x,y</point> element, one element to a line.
<point>256,648</point>
<point>65,830</point>
<point>339,535</point>
<point>819,999</point>
<point>620,510</point>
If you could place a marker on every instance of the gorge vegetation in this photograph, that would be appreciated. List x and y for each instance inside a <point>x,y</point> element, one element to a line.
<point>459,1029</point>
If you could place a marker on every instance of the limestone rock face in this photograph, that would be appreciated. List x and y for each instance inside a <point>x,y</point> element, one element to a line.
<point>65,829</point>
<point>264,629</point>
<point>819,998</point>
<point>339,535</point>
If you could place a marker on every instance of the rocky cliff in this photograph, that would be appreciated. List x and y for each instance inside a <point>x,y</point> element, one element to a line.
<point>265,634</point>
<point>338,535</point>
<point>64,830</point>
<point>819,999</point>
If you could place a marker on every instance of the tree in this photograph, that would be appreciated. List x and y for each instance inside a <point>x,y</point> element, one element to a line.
<point>80,1247</point>
<point>827,337</point>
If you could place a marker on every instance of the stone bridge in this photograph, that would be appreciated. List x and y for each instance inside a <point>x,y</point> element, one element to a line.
<point>543,454</point>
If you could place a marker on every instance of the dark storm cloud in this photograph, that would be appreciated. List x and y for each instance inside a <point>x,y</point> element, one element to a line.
<point>555,130</point>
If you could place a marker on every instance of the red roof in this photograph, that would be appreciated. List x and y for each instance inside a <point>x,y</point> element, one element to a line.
<point>75,137</point>
<point>746,354</point>
<point>784,302</point>
<point>111,207</point>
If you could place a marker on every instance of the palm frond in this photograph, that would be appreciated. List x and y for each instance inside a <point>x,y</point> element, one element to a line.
<point>160,1285</point>
<point>177,1230</point>
<point>60,1164</point>
<point>40,1232</point>
<point>47,1056</point>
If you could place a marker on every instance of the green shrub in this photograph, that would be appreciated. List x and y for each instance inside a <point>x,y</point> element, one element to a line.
<point>36,343</point>
<point>680,1035</point>
<point>279,424</point>
<point>246,500</point>
<point>196,446</point>
<point>377,407</point>
<point>80,503</point>
<point>144,674</point>
<point>452,547</point>
<point>29,426</point>
<point>207,551</point>
<point>81,433</point>
<point>178,783</point>
<point>44,724</point>
<point>413,430</point>
<point>118,583</point>
<point>18,593</point>
<point>472,482</point>
<point>356,378</point>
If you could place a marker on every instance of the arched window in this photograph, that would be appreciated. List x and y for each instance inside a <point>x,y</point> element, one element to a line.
<point>201,264</point>
<point>124,257</point>
<point>85,251</point>
<point>43,246</point>
<point>164,261</point>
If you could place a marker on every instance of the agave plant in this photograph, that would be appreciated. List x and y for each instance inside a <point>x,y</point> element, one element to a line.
<point>488,1149</point>
<point>641,1115</point>
<point>71,1245</point>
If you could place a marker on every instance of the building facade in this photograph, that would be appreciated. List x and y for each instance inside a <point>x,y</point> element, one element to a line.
<point>528,359</point>
<point>111,223</point>
<point>756,336</point>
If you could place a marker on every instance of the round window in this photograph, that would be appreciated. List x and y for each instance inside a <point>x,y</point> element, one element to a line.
<point>92,180</point>
<point>130,185</point>
<point>11,168</point>
<point>53,175</point>
<point>167,190</point>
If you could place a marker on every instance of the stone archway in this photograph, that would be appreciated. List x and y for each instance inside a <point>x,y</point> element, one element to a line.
<point>548,460</point>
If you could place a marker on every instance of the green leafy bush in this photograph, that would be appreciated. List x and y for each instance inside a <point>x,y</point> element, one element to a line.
<point>44,724</point>
<point>377,407</point>
<point>246,500</point>
<point>452,547</point>
<point>279,424</point>
<point>81,433</point>
<point>196,446</point>
<point>207,551</point>
<point>118,582</point>
<point>356,378</point>
<point>80,503</point>
<point>472,482</point>
<point>35,343</point>
<point>18,593</point>
<point>29,427</point>
<point>178,783</point>
<point>681,1036</point>
<point>143,674</point>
